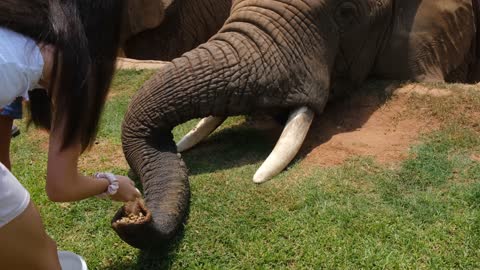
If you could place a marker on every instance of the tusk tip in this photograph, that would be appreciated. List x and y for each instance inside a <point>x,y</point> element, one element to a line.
<point>181,148</point>
<point>206,126</point>
<point>260,178</point>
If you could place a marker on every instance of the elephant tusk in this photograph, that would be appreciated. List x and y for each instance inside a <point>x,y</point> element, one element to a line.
<point>287,146</point>
<point>206,126</point>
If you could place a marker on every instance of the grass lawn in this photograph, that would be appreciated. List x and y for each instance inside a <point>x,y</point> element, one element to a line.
<point>423,212</point>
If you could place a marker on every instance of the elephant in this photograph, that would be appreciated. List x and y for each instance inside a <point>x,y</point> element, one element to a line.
<point>276,56</point>
<point>165,29</point>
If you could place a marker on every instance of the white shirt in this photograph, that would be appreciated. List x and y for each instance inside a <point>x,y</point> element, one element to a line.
<point>14,198</point>
<point>21,65</point>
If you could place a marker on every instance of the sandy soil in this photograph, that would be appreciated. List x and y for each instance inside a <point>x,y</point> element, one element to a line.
<point>368,126</point>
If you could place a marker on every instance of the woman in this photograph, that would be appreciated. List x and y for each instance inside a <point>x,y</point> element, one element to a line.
<point>68,48</point>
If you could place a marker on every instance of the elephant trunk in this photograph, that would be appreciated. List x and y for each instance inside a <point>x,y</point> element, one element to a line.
<point>263,59</point>
<point>182,90</point>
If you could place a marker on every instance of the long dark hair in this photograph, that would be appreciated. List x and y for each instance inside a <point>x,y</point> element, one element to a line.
<point>86,35</point>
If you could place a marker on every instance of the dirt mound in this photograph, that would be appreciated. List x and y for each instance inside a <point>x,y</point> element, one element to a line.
<point>369,125</point>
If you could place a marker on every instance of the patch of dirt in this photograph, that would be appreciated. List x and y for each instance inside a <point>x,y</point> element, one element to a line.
<point>422,90</point>
<point>103,156</point>
<point>38,137</point>
<point>367,125</point>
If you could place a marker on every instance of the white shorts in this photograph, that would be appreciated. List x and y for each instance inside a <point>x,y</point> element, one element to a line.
<point>14,198</point>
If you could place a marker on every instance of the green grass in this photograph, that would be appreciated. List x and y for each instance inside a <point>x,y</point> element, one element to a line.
<point>423,213</point>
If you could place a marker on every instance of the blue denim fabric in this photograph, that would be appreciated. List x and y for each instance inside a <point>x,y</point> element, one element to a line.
<point>13,110</point>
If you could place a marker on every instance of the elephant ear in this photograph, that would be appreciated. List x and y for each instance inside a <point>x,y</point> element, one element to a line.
<point>141,15</point>
<point>414,46</point>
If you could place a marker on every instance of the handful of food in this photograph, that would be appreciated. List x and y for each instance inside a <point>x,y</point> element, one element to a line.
<point>133,213</point>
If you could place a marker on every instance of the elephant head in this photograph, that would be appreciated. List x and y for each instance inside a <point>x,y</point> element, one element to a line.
<point>141,15</point>
<point>163,30</point>
<point>272,56</point>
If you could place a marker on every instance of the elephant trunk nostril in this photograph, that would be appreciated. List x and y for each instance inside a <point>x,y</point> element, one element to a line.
<point>132,213</point>
<point>133,223</point>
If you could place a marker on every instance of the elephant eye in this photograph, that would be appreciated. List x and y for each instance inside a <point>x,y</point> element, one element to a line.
<point>346,15</point>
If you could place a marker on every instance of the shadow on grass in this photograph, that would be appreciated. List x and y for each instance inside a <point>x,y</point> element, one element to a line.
<point>348,114</point>
<point>161,258</point>
<point>249,143</point>
<point>229,148</point>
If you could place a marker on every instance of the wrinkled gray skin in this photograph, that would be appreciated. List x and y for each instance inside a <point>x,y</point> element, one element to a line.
<point>165,29</point>
<point>279,55</point>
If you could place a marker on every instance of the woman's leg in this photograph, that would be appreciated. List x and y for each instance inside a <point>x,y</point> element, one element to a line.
<point>24,244</point>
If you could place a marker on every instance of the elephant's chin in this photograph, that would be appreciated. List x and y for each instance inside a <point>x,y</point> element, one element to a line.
<point>134,224</point>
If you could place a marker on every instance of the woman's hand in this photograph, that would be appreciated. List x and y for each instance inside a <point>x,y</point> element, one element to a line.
<point>126,190</point>
<point>65,184</point>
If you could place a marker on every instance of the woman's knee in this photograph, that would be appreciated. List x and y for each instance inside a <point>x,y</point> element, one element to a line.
<point>25,244</point>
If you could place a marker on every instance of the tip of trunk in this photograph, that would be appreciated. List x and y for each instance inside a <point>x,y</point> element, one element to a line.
<point>135,225</point>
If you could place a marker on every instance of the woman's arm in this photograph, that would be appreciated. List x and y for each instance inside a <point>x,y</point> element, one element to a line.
<point>64,183</point>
